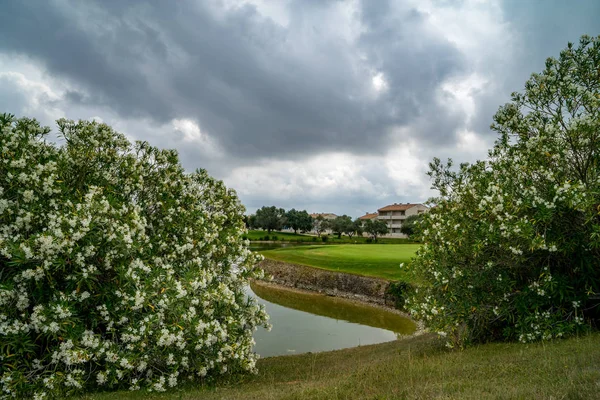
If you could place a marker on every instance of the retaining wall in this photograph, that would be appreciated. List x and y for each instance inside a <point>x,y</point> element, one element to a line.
<point>332,283</point>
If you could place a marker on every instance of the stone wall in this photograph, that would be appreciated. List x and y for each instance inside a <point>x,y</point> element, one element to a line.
<point>338,284</point>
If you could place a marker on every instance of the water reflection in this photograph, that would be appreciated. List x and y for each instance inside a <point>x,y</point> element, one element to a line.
<point>304,322</point>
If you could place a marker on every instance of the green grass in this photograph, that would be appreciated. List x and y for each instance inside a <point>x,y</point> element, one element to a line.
<point>416,368</point>
<point>377,260</point>
<point>331,239</point>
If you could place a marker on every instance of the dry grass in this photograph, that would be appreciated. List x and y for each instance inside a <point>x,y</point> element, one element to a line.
<point>417,368</point>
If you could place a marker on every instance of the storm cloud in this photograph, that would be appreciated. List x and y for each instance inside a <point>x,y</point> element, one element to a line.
<point>332,106</point>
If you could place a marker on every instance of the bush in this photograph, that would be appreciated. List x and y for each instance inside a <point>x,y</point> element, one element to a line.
<point>397,292</point>
<point>511,250</point>
<point>324,238</point>
<point>314,239</point>
<point>117,269</point>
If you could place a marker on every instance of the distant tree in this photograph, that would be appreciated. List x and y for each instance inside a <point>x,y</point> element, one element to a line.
<point>270,218</point>
<point>409,225</point>
<point>252,222</point>
<point>341,225</point>
<point>320,225</point>
<point>357,227</point>
<point>306,221</point>
<point>375,228</point>
<point>298,220</point>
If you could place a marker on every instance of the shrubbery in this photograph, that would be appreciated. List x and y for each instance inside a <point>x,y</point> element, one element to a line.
<point>117,269</point>
<point>396,292</point>
<point>512,248</point>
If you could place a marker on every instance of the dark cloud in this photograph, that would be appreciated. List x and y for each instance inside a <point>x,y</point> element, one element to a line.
<point>267,89</point>
<point>260,88</point>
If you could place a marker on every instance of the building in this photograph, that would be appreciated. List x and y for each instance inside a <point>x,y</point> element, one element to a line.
<point>324,215</point>
<point>368,216</point>
<point>395,214</point>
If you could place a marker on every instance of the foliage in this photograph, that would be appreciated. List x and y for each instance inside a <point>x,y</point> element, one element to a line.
<point>340,225</point>
<point>251,221</point>
<point>320,225</point>
<point>357,227</point>
<point>270,218</point>
<point>299,220</point>
<point>117,269</point>
<point>513,247</point>
<point>410,224</point>
<point>397,292</point>
<point>375,228</point>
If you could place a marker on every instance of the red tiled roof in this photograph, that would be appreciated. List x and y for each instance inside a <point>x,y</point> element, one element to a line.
<point>398,207</point>
<point>368,216</point>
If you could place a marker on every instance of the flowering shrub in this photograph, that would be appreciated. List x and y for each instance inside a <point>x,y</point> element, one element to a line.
<point>117,269</point>
<point>512,249</point>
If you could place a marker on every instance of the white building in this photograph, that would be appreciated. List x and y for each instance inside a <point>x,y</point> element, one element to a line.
<point>395,214</point>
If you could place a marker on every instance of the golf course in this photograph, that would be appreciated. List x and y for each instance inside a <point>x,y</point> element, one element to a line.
<point>375,260</point>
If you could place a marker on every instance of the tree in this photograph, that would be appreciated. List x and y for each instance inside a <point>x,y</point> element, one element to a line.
<point>252,222</point>
<point>353,227</point>
<point>512,247</point>
<point>410,224</point>
<point>299,220</point>
<point>117,268</point>
<point>270,218</point>
<point>341,225</point>
<point>306,221</point>
<point>375,228</point>
<point>357,227</point>
<point>320,225</point>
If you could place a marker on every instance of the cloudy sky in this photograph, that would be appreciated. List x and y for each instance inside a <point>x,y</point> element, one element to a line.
<point>329,106</point>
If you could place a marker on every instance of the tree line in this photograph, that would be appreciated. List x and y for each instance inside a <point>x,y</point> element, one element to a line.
<point>274,219</point>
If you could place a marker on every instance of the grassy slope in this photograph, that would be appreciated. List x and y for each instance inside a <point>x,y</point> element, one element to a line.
<point>417,369</point>
<point>378,260</point>
<point>292,237</point>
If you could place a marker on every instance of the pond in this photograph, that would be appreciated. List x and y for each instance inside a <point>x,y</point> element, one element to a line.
<point>307,322</point>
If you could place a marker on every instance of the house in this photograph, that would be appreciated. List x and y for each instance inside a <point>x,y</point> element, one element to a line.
<point>368,216</point>
<point>324,215</point>
<point>395,214</point>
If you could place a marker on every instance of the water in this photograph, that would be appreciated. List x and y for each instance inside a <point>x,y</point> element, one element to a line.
<point>306,322</point>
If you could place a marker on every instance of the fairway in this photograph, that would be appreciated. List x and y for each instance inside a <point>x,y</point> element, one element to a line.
<point>377,260</point>
<point>277,236</point>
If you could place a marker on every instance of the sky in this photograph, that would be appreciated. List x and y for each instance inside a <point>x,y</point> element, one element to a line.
<point>329,106</point>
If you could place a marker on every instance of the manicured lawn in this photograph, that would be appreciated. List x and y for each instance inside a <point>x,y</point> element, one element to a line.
<point>416,368</point>
<point>331,239</point>
<point>260,235</point>
<point>378,260</point>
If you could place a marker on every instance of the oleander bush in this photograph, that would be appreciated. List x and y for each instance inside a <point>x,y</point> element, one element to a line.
<point>117,268</point>
<point>512,248</point>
